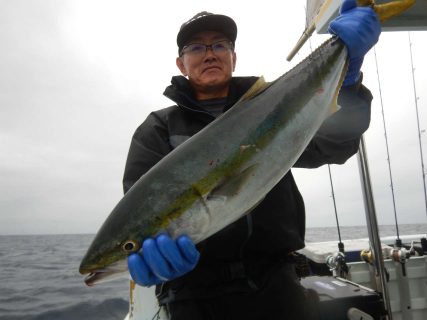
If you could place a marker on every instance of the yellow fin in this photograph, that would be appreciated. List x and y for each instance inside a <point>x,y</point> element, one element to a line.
<point>334,107</point>
<point>256,88</point>
<point>388,10</point>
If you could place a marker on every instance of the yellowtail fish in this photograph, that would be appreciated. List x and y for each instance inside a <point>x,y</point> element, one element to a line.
<point>226,169</point>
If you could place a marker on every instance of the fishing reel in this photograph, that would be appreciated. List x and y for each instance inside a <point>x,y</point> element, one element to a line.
<point>396,254</point>
<point>337,265</point>
<point>399,253</point>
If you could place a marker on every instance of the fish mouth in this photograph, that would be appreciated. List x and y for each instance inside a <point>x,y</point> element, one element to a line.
<point>108,273</point>
<point>91,279</point>
<point>96,277</point>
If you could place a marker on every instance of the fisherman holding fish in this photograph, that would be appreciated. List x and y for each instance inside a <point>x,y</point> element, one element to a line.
<point>246,270</point>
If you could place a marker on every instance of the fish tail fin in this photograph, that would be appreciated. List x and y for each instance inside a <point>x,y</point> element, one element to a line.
<point>388,10</point>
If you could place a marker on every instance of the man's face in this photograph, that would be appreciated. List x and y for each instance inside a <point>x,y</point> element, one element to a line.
<point>210,72</point>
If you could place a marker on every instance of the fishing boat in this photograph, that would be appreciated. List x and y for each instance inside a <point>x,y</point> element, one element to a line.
<point>368,278</point>
<point>373,278</point>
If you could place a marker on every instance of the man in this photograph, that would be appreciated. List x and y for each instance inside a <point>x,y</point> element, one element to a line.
<point>245,271</point>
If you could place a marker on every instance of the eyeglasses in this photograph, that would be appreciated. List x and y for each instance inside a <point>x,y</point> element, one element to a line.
<point>200,49</point>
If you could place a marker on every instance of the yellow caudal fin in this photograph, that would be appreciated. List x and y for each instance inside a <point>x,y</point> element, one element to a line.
<point>388,10</point>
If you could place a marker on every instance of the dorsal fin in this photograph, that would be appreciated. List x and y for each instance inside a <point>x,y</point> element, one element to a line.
<point>256,88</point>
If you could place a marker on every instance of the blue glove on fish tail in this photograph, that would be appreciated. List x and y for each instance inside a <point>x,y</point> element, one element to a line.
<point>162,259</point>
<point>359,29</point>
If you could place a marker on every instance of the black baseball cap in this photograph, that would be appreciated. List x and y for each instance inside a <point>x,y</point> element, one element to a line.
<point>206,21</point>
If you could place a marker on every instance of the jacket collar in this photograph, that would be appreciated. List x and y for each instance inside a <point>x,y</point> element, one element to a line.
<point>181,92</point>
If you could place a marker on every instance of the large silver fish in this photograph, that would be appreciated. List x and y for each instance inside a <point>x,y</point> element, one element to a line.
<point>226,169</point>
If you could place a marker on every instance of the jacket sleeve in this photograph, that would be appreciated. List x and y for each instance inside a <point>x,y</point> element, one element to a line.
<point>149,144</point>
<point>339,136</point>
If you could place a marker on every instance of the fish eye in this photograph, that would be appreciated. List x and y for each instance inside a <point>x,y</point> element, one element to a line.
<point>130,246</point>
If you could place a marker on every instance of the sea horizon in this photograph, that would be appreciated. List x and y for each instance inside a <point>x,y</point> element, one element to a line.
<point>39,277</point>
<point>401,226</point>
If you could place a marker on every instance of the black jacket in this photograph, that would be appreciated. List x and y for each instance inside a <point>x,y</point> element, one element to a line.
<point>277,225</point>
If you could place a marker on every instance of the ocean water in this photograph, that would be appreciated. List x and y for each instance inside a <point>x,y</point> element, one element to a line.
<point>39,279</point>
<point>39,276</point>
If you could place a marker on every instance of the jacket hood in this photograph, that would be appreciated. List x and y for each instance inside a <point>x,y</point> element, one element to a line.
<point>181,92</point>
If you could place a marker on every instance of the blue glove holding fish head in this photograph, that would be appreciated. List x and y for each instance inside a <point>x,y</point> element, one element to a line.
<point>359,29</point>
<point>162,259</point>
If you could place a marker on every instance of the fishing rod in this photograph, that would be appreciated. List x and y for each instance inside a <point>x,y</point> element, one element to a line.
<point>385,12</point>
<point>336,262</point>
<point>340,244</point>
<point>423,171</point>
<point>398,241</point>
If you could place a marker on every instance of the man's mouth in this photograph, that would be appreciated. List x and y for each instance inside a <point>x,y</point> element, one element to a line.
<point>211,68</point>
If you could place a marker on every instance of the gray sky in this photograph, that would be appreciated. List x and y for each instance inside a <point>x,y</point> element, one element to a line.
<point>78,76</point>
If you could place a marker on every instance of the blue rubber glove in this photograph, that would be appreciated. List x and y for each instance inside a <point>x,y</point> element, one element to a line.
<point>360,29</point>
<point>162,259</point>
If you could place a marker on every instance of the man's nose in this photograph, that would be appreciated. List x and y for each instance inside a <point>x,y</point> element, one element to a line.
<point>210,53</point>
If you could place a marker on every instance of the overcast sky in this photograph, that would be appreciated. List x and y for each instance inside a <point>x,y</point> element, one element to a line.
<point>78,76</point>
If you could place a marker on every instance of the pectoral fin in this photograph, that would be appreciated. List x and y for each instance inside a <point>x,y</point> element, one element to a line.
<point>334,107</point>
<point>259,86</point>
<point>231,186</point>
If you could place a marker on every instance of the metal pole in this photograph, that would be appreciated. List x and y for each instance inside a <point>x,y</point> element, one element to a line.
<point>371,219</point>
